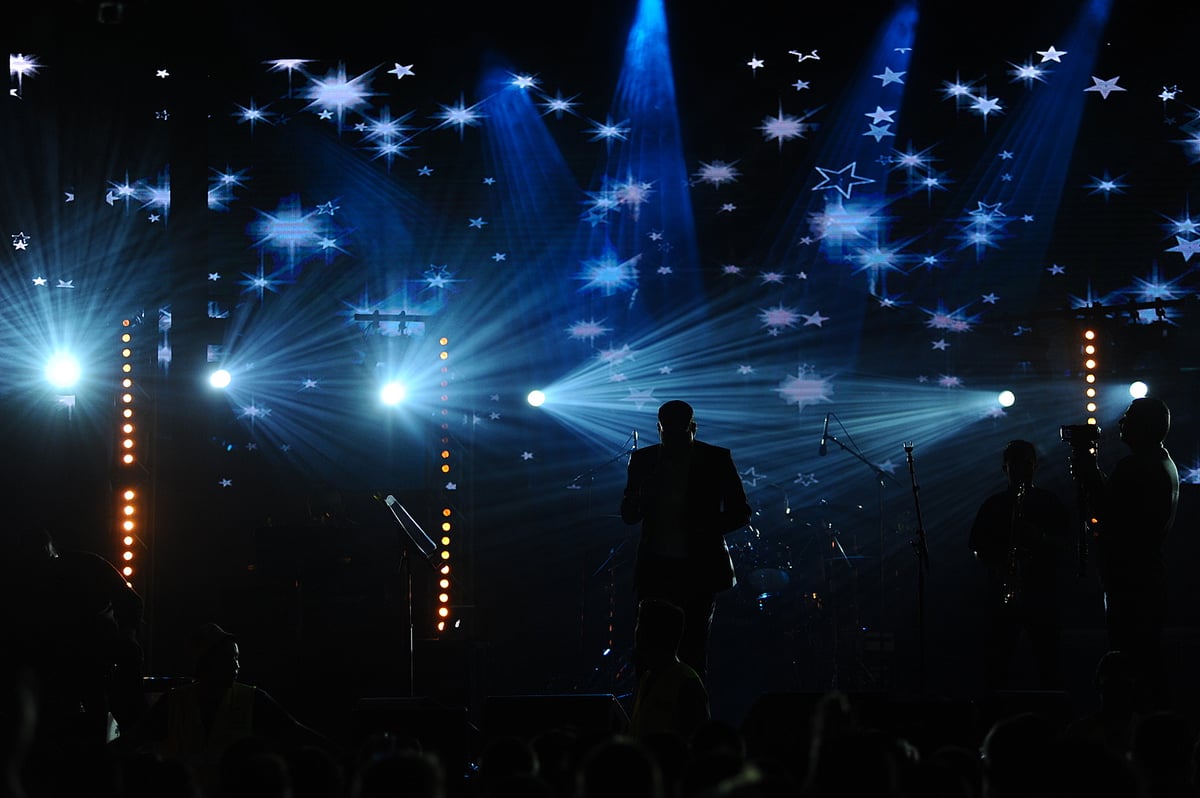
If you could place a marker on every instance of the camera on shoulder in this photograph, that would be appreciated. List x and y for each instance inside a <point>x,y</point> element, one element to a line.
<point>1080,437</point>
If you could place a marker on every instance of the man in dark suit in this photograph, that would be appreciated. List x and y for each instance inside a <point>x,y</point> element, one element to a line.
<point>687,495</point>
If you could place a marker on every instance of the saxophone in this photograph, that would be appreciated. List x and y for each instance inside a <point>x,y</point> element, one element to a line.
<point>1012,575</point>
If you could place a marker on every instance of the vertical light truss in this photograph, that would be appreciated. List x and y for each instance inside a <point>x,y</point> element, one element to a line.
<point>445,476</point>
<point>1090,364</point>
<point>129,501</point>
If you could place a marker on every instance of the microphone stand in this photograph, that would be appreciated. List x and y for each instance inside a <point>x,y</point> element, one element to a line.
<point>922,550</point>
<point>591,472</point>
<point>427,548</point>
<point>608,566</point>
<point>881,478</point>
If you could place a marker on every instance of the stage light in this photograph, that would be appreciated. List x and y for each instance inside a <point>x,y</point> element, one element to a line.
<point>536,398</point>
<point>62,370</point>
<point>220,378</point>
<point>393,393</point>
<point>1138,389</point>
<point>1090,351</point>
<point>1006,398</point>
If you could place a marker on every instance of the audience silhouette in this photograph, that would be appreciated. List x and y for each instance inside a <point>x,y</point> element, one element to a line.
<point>73,622</point>
<point>216,722</point>
<point>670,696</point>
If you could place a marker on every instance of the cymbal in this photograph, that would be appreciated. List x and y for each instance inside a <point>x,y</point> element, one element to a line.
<point>826,506</point>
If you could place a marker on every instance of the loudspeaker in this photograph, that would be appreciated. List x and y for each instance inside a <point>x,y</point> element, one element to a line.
<point>438,728</point>
<point>529,715</point>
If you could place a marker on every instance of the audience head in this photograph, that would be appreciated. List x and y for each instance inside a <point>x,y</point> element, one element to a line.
<point>316,773</point>
<point>413,774</point>
<point>1015,755</point>
<point>505,756</point>
<point>27,546</point>
<point>1115,681</point>
<point>618,767</point>
<point>253,771</point>
<point>657,629</point>
<point>1162,746</point>
<point>18,712</point>
<point>215,654</point>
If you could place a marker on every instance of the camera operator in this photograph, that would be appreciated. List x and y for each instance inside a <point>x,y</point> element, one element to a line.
<point>1134,507</point>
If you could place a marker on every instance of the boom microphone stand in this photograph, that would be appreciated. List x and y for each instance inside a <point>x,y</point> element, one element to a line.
<point>922,550</point>
<point>881,478</point>
<point>427,549</point>
<point>608,567</point>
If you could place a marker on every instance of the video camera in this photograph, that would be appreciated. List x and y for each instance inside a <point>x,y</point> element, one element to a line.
<point>1080,437</point>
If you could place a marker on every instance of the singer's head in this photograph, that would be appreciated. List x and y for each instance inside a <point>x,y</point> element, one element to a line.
<point>1020,461</point>
<point>676,423</point>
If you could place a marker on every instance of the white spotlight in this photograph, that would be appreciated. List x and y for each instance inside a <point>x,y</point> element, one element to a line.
<point>1006,398</point>
<point>220,378</point>
<point>393,393</point>
<point>1138,389</point>
<point>62,370</point>
<point>536,398</point>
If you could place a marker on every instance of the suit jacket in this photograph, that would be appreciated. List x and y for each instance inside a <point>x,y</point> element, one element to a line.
<point>715,505</point>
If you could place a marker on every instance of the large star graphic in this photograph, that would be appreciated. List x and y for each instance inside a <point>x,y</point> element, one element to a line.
<point>1186,248</point>
<point>1051,54</point>
<point>843,180</point>
<point>888,76</point>
<point>1105,87</point>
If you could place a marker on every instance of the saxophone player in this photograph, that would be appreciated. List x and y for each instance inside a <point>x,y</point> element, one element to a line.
<point>1019,537</point>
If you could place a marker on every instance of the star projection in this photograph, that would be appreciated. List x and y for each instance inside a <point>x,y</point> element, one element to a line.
<point>891,215</point>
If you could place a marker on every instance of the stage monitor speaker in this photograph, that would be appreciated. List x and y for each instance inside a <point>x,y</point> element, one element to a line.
<point>438,728</point>
<point>529,715</point>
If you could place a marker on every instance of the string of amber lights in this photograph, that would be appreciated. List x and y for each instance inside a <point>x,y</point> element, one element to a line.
<point>1090,370</point>
<point>445,476</point>
<point>129,500</point>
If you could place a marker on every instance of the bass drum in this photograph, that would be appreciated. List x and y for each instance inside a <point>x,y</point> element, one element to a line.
<point>762,559</point>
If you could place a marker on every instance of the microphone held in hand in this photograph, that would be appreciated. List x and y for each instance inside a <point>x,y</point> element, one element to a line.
<point>822,450</point>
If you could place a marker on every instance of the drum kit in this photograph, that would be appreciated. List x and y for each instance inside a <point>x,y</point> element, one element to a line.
<point>798,572</point>
<point>793,563</point>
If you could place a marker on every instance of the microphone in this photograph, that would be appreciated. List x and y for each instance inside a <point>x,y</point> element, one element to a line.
<point>823,449</point>
<point>635,440</point>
